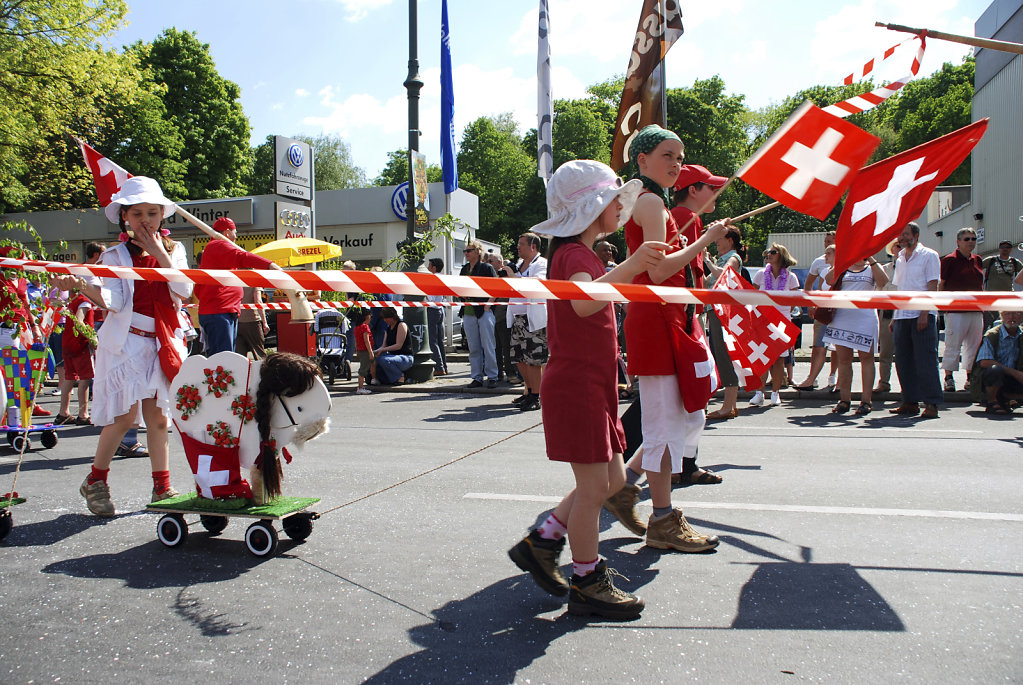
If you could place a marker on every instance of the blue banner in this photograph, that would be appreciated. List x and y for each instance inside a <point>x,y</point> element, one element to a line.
<point>447,107</point>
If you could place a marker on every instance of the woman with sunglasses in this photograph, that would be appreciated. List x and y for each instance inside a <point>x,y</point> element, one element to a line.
<point>777,275</point>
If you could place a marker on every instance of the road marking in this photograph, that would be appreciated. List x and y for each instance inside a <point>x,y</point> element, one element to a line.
<point>799,509</point>
<point>857,429</point>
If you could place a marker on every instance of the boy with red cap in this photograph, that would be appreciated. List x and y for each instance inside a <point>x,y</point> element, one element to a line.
<point>220,305</point>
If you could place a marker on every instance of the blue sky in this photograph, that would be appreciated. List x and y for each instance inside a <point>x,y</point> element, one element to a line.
<point>337,66</point>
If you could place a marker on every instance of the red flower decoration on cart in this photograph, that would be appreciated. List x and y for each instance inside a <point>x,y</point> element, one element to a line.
<point>218,381</point>
<point>221,434</point>
<point>189,400</point>
<point>244,407</point>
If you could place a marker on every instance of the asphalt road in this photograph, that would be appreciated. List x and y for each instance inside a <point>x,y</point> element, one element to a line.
<point>853,550</point>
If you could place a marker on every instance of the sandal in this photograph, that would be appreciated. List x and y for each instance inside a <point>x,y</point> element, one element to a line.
<point>998,409</point>
<point>61,419</point>
<point>864,408</point>
<point>842,407</point>
<point>722,415</point>
<point>697,477</point>
<point>78,421</point>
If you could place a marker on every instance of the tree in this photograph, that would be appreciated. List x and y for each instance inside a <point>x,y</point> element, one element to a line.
<point>395,172</point>
<point>206,109</point>
<point>493,164</point>
<point>52,74</point>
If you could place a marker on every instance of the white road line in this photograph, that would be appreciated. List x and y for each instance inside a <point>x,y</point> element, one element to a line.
<point>799,509</point>
<point>866,433</point>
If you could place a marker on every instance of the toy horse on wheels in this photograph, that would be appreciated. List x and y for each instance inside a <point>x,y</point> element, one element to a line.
<point>235,417</point>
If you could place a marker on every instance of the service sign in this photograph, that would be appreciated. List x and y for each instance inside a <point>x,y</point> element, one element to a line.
<point>293,220</point>
<point>293,163</point>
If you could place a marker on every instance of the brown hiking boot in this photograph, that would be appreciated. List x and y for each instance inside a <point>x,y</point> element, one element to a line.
<point>672,531</point>
<point>596,593</point>
<point>97,498</point>
<point>539,558</point>
<point>623,505</point>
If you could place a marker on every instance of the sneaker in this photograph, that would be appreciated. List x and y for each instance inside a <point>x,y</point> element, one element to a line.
<point>596,593</point>
<point>491,383</point>
<point>97,498</point>
<point>476,384</point>
<point>374,381</point>
<point>39,411</point>
<point>136,450</point>
<point>539,558</point>
<point>532,403</point>
<point>623,505</point>
<point>832,380</point>
<point>672,531</point>
<point>363,391</point>
<point>519,400</point>
<point>166,494</point>
<point>757,400</point>
<point>775,399</point>
<point>950,384</point>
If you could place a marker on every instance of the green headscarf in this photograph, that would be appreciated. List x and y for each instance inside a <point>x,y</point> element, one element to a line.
<point>647,139</point>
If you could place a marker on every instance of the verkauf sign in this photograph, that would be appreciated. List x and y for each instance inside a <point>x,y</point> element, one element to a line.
<point>293,164</point>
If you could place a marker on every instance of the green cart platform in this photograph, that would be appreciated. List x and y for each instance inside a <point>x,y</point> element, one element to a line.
<point>260,537</point>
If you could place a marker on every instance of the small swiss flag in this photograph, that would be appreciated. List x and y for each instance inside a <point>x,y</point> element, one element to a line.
<point>107,176</point>
<point>809,162</point>
<point>217,469</point>
<point>694,368</point>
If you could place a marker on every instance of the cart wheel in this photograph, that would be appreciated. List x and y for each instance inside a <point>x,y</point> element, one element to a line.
<point>298,526</point>
<point>261,539</point>
<point>332,374</point>
<point>172,530</point>
<point>6,523</point>
<point>49,439</point>
<point>21,442</point>
<point>10,438</point>
<point>214,524</point>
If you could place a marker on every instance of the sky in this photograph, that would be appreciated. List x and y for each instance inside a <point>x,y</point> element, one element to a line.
<point>310,67</point>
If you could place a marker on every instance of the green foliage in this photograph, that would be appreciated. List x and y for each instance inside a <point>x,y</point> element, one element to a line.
<point>412,253</point>
<point>395,172</point>
<point>205,108</point>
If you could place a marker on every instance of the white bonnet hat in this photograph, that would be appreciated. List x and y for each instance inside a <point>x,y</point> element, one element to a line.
<point>577,194</point>
<point>134,191</point>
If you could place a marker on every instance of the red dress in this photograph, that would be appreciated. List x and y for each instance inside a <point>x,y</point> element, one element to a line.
<point>579,389</point>
<point>649,338</point>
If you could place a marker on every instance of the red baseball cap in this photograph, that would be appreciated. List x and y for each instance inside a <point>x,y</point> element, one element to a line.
<point>694,173</point>
<point>224,224</point>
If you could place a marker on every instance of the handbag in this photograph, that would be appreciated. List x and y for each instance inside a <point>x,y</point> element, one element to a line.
<point>826,315</point>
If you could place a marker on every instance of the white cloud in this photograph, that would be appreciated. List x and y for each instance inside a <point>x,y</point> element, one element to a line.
<point>301,92</point>
<point>358,9</point>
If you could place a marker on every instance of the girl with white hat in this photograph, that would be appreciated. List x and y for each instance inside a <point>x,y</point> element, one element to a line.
<point>585,200</point>
<point>141,344</point>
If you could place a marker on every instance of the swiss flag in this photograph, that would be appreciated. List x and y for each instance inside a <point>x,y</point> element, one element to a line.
<point>809,162</point>
<point>217,470</point>
<point>695,370</point>
<point>755,336</point>
<point>107,176</point>
<point>887,195</point>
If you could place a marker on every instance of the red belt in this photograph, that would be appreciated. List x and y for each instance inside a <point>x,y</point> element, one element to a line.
<point>139,331</point>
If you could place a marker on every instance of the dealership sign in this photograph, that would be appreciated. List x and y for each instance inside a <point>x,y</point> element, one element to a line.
<point>293,168</point>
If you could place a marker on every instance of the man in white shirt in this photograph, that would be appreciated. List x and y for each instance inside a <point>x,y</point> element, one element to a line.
<point>918,268</point>
<point>528,323</point>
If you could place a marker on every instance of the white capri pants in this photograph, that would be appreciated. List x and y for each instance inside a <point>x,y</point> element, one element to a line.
<point>963,331</point>
<point>667,424</point>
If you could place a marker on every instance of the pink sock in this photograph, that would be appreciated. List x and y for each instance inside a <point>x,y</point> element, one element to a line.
<point>584,568</point>
<point>552,528</point>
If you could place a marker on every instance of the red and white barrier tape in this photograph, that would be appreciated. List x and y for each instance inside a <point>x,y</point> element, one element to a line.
<point>862,103</point>
<point>399,283</point>
<point>345,304</point>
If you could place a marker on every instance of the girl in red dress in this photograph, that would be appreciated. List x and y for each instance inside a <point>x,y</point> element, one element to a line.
<point>579,390</point>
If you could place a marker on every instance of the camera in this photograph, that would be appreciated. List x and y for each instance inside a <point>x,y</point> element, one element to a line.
<point>511,265</point>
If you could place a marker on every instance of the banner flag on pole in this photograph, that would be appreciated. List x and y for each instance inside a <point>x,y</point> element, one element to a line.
<point>106,175</point>
<point>641,96</point>
<point>449,163</point>
<point>887,195</point>
<point>544,99</point>
<point>809,161</point>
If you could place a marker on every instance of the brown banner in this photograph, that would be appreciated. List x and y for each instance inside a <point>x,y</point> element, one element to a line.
<point>641,96</point>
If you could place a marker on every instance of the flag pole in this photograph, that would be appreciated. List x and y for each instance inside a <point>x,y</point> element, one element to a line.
<point>706,205</point>
<point>754,212</point>
<point>197,222</point>
<point>988,43</point>
<point>664,78</point>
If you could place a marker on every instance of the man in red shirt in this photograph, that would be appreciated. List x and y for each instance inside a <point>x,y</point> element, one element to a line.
<point>219,305</point>
<point>961,270</point>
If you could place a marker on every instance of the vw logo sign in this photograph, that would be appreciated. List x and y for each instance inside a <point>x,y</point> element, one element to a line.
<point>295,156</point>
<point>399,201</point>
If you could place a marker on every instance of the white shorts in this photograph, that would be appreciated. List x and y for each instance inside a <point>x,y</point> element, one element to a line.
<point>667,424</point>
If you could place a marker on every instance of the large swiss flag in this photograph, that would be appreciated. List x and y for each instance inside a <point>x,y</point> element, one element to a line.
<point>887,195</point>
<point>810,161</point>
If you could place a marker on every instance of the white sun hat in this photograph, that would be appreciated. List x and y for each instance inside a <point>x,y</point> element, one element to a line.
<point>577,194</point>
<point>137,190</point>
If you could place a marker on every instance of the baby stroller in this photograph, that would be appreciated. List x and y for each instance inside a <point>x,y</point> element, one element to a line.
<point>332,345</point>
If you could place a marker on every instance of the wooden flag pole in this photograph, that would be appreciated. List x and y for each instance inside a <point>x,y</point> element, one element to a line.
<point>1001,45</point>
<point>754,212</point>
<point>198,223</point>
<point>706,205</point>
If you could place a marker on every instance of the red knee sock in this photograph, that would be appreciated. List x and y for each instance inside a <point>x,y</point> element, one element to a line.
<point>98,474</point>
<point>161,481</point>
